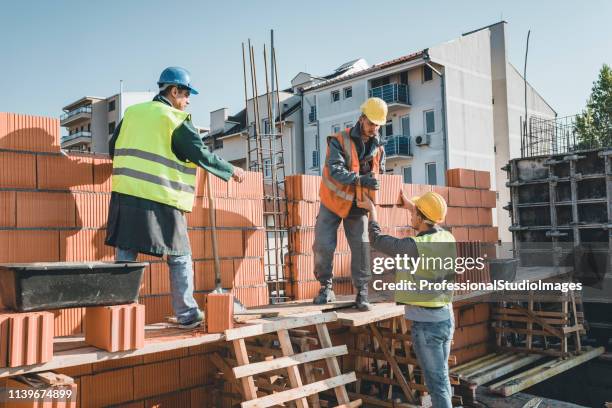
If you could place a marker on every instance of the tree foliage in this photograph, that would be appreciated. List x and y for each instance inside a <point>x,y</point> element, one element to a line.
<point>594,125</point>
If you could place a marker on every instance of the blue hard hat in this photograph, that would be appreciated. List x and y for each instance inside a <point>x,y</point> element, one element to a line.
<point>176,76</point>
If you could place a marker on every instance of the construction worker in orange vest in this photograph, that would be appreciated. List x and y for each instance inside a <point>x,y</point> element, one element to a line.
<point>354,156</point>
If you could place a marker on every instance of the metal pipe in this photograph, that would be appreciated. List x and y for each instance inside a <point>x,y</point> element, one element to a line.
<point>246,108</point>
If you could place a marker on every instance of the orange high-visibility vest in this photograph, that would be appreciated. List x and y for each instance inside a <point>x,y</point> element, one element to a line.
<point>338,197</point>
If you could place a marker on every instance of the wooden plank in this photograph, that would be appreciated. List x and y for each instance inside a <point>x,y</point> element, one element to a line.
<point>459,370</point>
<point>542,372</point>
<point>393,363</point>
<point>285,323</point>
<point>352,404</point>
<point>242,358</point>
<point>292,371</point>
<point>302,392</point>
<point>493,373</point>
<point>390,381</point>
<point>310,378</point>
<point>288,361</point>
<point>381,356</point>
<point>381,311</point>
<point>332,364</point>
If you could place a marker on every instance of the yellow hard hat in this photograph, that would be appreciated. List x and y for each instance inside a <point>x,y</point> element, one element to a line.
<point>375,109</point>
<point>432,205</point>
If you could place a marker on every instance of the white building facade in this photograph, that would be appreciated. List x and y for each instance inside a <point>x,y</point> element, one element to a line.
<point>457,104</point>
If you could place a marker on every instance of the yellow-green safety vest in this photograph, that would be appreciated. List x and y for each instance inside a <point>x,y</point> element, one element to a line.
<point>438,245</point>
<point>144,165</point>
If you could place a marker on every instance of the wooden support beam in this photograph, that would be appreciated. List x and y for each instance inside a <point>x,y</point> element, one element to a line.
<point>288,361</point>
<point>542,372</point>
<point>242,358</point>
<point>332,364</point>
<point>301,392</point>
<point>393,363</point>
<point>293,372</point>
<point>286,323</point>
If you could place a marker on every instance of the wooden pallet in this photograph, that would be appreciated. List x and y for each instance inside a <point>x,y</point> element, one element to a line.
<point>541,324</point>
<point>288,363</point>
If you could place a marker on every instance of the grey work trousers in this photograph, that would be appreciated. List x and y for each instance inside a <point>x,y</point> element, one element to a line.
<point>356,231</point>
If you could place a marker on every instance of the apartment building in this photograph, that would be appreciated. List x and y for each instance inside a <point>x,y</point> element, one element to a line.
<point>456,104</point>
<point>90,121</point>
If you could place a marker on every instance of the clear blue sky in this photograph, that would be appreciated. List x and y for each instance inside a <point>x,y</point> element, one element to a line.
<point>54,52</point>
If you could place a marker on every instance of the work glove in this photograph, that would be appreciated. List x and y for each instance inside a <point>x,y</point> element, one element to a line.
<point>368,181</point>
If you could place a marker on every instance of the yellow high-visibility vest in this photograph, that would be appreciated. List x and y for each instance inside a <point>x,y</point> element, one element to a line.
<point>144,165</point>
<point>439,245</point>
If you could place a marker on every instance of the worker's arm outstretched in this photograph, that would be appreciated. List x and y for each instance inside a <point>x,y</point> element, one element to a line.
<point>337,164</point>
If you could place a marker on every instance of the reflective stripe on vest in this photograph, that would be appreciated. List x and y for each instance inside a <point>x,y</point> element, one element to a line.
<point>440,245</point>
<point>338,197</point>
<point>144,165</point>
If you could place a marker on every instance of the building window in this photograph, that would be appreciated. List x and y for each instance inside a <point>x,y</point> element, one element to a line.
<point>218,144</point>
<point>407,172</point>
<point>406,126</point>
<point>427,73</point>
<point>335,129</point>
<point>387,128</point>
<point>335,96</point>
<point>348,92</point>
<point>315,158</point>
<point>111,128</point>
<point>312,116</point>
<point>111,105</point>
<point>379,82</point>
<point>267,168</point>
<point>430,122</point>
<point>403,78</point>
<point>430,170</point>
<point>89,127</point>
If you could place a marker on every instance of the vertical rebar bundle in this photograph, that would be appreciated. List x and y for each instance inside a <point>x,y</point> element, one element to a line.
<point>265,154</point>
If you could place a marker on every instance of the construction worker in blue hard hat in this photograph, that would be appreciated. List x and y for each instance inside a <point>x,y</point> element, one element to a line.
<point>156,150</point>
<point>430,311</point>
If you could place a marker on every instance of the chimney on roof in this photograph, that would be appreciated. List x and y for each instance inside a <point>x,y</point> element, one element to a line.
<point>217,119</point>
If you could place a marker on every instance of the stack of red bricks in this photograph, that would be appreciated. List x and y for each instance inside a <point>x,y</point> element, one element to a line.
<point>240,243</point>
<point>472,337</point>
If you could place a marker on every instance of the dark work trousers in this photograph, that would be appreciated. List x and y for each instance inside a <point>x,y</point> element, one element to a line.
<point>356,230</point>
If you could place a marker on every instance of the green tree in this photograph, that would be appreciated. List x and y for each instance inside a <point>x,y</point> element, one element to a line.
<point>594,125</point>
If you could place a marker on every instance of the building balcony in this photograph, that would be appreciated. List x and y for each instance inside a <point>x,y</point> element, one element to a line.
<point>397,146</point>
<point>74,117</point>
<point>396,95</point>
<point>312,116</point>
<point>76,139</point>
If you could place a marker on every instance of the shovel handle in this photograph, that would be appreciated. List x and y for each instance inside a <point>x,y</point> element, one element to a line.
<point>213,224</point>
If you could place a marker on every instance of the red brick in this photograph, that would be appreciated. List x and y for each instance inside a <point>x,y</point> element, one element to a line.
<point>160,278</point>
<point>254,242</point>
<point>17,170</point>
<point>460,178</point>
<point>157,308</point>
<point>115,328</point>
<point>469,216</point>
<point>453,216</point>
<point>199,216</point>
<point>8,211</point>
<point>302,240</point>
<point>45,210</point>
<point>21,246</point>
<point>485,216</point>
<point>29,338</point>
<point>219,186</point>
<point>91,209</point>
<point>472,198</point>
<point>196,370</point>
<point>84,245</point>
<point>204,275</point>
<point>460,234</point>
<point>107,388</point>
<point>302,268</point>
<point>476,234</point>
<point>166,355</point>
<point>156,379</point>
<point>115,363</point>
<point>249,271</point>
<point>224,237</point>
<point>68,322</point>
<point>102,175</point>
<point>64,173</point>
<point>179,399</point>
<point>456,197</point>
<point>29,133</point>
<point>488,199</point>
<point>482,179</point>
<point>491,234</point>
<point>252,296</point>
<point>201,244</point>
<point>303,187</point>
<point>303,213</point>
<point>219,312</point>
<point>251,186</point>
<point>75,371</point>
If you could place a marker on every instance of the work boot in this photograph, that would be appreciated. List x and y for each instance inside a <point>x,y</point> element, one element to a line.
<point>361,301</point>
<point>326,295</point>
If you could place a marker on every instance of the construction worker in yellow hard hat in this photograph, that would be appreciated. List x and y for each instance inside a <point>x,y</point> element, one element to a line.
<point>354,156</point>
<point>430,311</point>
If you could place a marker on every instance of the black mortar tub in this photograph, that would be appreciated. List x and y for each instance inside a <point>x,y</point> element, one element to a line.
<point>58,285</point>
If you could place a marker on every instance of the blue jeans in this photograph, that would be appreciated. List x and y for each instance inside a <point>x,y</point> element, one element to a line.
<point>431,342</point>
<point>181,283</point>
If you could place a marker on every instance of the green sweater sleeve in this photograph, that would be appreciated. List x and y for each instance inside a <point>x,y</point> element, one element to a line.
<point>188,146</point>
